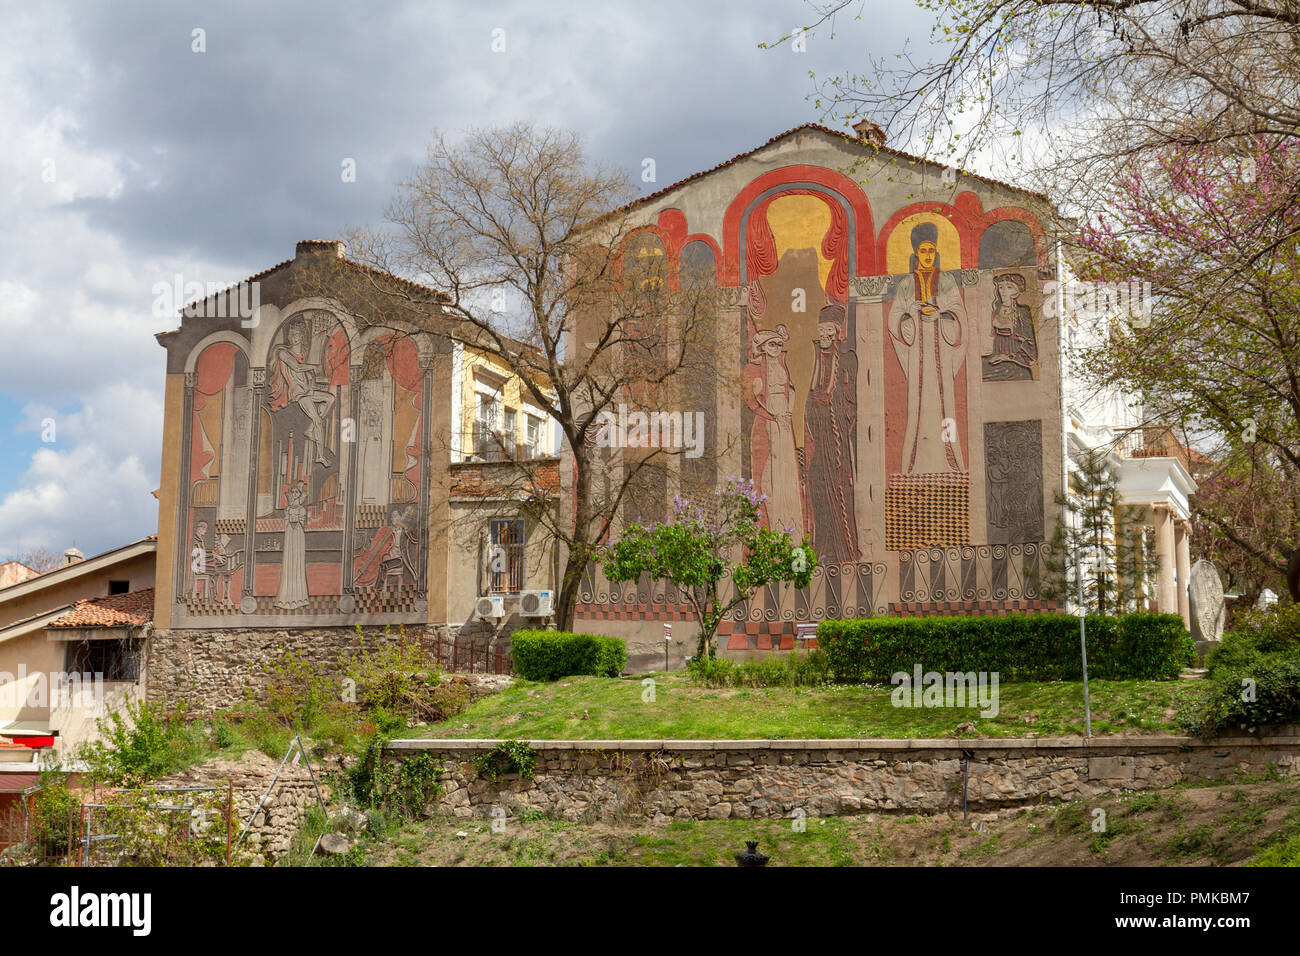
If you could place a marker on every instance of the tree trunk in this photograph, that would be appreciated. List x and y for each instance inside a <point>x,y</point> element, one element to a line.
<point>579,556</point>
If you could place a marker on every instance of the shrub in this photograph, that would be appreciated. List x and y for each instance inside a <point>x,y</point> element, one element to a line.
<point>379,782</point>
<point>1024,647</point>
<point>1226,701</point>
<point>300,690</point>
<point>395,677</point>
<point>52,812</point>
<point>1257,633</point>
<point>140,742</point>
<point>509,756</point>
<point>550,655</point>
<point>807,670</point>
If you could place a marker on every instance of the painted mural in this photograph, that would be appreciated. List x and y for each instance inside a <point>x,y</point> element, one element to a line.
<point>894,398</point>
<point>800,380</point>
<point>305,475</point>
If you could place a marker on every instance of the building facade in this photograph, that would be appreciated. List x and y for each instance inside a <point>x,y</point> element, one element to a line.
<point>310,474</point>
<point>889,374</point>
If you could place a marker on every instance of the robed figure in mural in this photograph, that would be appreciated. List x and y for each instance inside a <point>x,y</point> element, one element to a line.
<point>294,381</point>
<point>1015,346</point>
<point>293,559</point>
<point>927,325</point>
<point>830,421</point>
<point>769,392</point>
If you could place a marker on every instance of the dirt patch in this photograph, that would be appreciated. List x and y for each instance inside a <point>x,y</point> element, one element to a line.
<point>1226,824</point>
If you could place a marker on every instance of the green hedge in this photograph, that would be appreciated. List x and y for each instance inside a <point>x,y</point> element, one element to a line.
<point>550,655</point>
<point>1021,647</point>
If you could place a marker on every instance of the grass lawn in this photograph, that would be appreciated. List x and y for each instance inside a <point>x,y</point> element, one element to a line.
<point>590,708</point>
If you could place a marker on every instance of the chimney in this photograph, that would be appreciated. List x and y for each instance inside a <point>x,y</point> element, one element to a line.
<point>869,132</point>
<point>330,248</point>
<point>72,556</point>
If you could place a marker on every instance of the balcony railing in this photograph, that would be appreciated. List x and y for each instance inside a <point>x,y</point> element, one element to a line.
<point>1151,441</point>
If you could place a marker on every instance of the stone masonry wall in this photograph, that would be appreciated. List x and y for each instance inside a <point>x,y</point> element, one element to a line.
<point>219,668</point>
<point>280,816</point>
<point>695,780</point>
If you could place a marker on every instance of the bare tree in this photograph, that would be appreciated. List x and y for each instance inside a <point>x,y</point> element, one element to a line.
<point>518,231</point>
<point>1069,89</point>
<point>39,559</point>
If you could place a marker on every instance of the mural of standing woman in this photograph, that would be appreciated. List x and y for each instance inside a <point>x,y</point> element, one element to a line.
<point>769,392</point>
<point>927,327</point>
<point>293,560</point>
<point>1015,346</point>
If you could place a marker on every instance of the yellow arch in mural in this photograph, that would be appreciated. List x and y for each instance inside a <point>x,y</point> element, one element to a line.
<point>898,248</point>
<point>800,222</point>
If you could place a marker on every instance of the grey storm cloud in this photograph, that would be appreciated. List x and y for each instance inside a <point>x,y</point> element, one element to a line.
<point>215,163</point>
<point>237,151</point>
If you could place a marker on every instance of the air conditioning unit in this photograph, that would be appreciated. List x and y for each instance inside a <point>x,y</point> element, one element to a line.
<point>491,606</point>
<point>537,603</point>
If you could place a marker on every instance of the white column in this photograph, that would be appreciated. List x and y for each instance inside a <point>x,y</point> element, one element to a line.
<point>1182,544</point>
<point>1166,592</point>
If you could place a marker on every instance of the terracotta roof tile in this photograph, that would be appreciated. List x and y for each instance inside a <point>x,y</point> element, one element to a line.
<point>116,610</point>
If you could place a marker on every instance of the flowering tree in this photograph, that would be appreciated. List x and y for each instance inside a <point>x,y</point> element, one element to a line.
<point>1217,236</point>
<point>1247,513</point>
<point>696,552</point>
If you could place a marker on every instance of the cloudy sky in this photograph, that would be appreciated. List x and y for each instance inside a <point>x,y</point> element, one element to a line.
<point>126,157</point>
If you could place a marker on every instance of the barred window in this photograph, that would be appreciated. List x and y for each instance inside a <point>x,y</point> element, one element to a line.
<point>506,556</point>
<point>115,659</point>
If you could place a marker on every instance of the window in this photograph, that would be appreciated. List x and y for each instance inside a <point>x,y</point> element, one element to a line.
<point>506,556</point>
<point>511,432</point>
<point>115,659</point>
<point>487,428</point>
<point>118,587</point>
<point>533,438</point>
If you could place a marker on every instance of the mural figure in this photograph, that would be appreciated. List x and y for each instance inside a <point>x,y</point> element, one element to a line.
<point>927,325</point>
<point>769,393</point>
<point>1015,346</point>
<point>293,560</point>
<point>390,554</point>
<point>294,381</point>
<point>830,421</point>
<point>1013,475</point>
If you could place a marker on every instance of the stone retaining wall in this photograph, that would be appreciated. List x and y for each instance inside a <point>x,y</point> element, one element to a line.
<point>664,780</point>
<point>280,816</point>
<point>221,667</point>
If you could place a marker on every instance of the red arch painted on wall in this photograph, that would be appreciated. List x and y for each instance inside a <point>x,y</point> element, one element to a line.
<point>968,217</point>
<point>729,264</point>
<point>671,231</point>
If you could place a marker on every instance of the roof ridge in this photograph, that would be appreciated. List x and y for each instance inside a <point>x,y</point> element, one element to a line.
<point>852,138</point>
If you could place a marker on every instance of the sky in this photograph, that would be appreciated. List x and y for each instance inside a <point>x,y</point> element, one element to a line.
<point>134,149</point>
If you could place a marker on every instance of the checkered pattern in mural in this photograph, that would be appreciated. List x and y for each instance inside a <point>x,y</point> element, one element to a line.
<point>926,511</point>
<point>602,600</point>
<point>392,601</point>
<point>972,608</point>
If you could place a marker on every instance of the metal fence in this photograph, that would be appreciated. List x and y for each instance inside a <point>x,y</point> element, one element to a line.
<point>29,837</point>
<point>468,656</point>
<point>88,834</point>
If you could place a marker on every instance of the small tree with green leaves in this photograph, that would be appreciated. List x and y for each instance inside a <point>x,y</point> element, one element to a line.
<point>696,553</point>
<point>1106,540</point>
